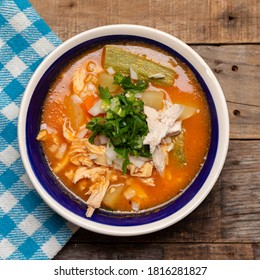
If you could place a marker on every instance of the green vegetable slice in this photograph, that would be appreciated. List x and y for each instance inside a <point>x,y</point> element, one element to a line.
<point>121,60</point>
<point>178,149</point>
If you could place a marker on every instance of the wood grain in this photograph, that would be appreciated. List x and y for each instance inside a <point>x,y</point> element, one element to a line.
<point>237,68</point>
<point>192,21</point>
<point>159,251</point>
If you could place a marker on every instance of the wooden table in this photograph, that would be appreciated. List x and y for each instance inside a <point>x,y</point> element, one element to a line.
<point>227,35</point>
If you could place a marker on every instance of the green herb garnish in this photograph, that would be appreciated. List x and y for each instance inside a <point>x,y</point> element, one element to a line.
<point>124,122</point>
<point>127,84</point>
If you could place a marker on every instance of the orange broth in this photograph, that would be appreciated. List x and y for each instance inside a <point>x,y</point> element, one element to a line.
<point>176,177</point>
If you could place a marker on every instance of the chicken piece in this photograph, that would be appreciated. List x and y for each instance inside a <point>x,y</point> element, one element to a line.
<point>152,117</point>
<point>144,171</point>
<point>78,154</point>
<point>81,160</point>
<point>155,136</point>
<point>78,80</point>
<point>68,132</point>
<point>97,192</point>
<point>113,177</point>
<point>98,151</point>
<point>148,181</point>
<point>159,159</point>
<point>175,129</point>
<point>84,153</point>
<point>42,135</point>
<point>92,78</point>
<point>162,123</point>
<point>85,172</point>
<point>170,113</point>
<point>69,174</point>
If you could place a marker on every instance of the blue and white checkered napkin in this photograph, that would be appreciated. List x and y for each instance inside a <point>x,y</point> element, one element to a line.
<point>29,229</point>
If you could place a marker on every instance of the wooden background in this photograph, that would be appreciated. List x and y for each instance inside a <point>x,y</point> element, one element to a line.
<point>227,35</point>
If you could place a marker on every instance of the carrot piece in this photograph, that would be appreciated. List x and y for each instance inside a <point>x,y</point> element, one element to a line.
<point>88,103</point>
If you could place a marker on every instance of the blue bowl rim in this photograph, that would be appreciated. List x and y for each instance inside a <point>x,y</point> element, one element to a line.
<point>105,218</point>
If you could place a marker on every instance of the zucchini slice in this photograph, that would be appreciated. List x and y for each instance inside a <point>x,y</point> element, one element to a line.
<point>121,60</point>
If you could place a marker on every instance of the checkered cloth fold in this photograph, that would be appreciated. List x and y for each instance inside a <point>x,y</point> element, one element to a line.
<point>29,229</point>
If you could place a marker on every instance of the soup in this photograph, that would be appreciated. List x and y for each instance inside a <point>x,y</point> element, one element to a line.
<point>125,127</point>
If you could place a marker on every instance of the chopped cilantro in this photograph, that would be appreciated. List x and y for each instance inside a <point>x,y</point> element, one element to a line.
<point>124,122</point>
<point>127,84</point>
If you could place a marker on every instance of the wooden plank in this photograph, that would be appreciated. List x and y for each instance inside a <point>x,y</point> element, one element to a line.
<point>229,21</point>
<point>237,69</point>
<point>244,121</point>
<point>230,213</point>
<point>256,250</point>
<point>159,251</point>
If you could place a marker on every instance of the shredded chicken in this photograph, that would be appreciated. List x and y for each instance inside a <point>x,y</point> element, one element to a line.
<point>78,80</point>
<point>69,174</point>
<point>162,123</point>
<point>42,135</point>
<point>148,181</point>
<point>145,171</point>
<point>68,132</point>
<point>159,159</point>
<point>83,153</point>
<point>99,151</point>
<point>78,153</point>
<point>92,173</point>
<point>97,192</point>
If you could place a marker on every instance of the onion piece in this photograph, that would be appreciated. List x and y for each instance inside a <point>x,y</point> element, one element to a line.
<point>137,161</point>
<point>91,87</point>
<point>61,151</point>
<point>82,133</point>
<point>110,154</point>
<point>133,74</point>
<point>43,126</point>
<point>135,206</point>
<point>129,193</point>
<point>51,130</point>
<point>76,99</point>
<point>139,95</point>
<point>157,76</point>
<point>170,147</point>
<point>96,109</point>
<point>103,139</point>
<point>110,71</point>
<point>118,163</point>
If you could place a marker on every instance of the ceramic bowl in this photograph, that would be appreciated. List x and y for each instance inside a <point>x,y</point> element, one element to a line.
<point>62,201</point>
